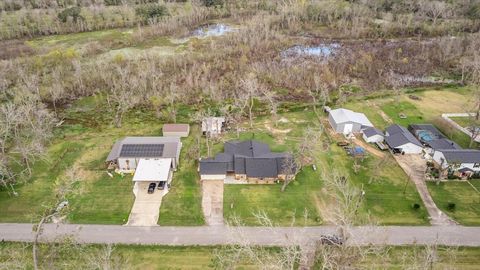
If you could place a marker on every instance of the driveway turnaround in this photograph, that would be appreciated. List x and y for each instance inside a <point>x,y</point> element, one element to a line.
<point>146,207</point>
<point>415,167</point>
<point>221,235</point>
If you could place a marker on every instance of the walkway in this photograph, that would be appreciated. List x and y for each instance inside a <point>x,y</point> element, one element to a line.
<point>415,167</point>
<point>220,235</point>
<point>446,117</point>
<point>212,201</point>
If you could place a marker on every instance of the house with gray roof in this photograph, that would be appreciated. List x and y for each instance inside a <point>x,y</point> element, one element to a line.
<point>461,162</point>
<point>400,140</point>
<point>127,152</point>
<point>249,160</point>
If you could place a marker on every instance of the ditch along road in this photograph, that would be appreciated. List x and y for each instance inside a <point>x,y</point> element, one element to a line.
<point>222,235</point>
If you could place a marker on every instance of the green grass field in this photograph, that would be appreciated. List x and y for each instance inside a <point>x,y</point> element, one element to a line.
<point>18,256</point>
<point>182,204</point>
<point>465,198</point>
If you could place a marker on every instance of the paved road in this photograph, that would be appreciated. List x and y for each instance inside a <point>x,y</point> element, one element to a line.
<point>218,235</point>
<point>415,167</point>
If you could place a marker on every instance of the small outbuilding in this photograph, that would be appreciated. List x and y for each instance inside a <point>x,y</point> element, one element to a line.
<point>213,126</point>
<point>346,121</point>
<point>372,135</point>
<point>176,130</point>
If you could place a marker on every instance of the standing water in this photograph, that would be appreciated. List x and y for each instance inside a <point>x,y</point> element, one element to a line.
<point>212,30</point>
<point>321,50</point>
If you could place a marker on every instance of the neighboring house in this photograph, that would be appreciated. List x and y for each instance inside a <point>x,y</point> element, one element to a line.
<point>372,135</point>
<point>213,125</point>
<point>176,130</point>
<point>250,161</point>
<point>346,121</point>
<point>400,140</point>
<point>127,153</point>
<point>459,162</point>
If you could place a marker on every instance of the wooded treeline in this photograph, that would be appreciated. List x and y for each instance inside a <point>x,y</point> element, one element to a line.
<point>244,69</point>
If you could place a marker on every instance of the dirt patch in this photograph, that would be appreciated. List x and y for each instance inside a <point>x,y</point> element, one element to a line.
<point>276,130</point>
<point>10,49</point>
<point>371,149</point>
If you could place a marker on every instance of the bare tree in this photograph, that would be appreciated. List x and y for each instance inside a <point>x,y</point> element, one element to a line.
<point>290,168</point>
<point>58,208</point>
<point>434,9</point>
<point>250,90</point>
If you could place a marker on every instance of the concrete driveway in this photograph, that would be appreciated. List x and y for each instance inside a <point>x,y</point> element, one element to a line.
<point>415,167</point>
<point>212,201</point>
<point>146,207</point>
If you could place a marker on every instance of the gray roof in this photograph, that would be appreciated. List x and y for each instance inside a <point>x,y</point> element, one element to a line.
<point>394,129</point>
<point>371,131</point>
<point>212,168</point>
<point>145,147</point>
<point>461,155</point>
<point>443,144</point>
<point>428,127</point>
<point>399,139</point>
<point>246,157</point>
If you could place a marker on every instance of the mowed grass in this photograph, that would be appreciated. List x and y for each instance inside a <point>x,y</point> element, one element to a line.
<point>18,256</point>
<point>37,194</point>
<point>182,204</point>
<point>81,144</point>
<point>305,201</point>
<point>297,205</point>
<point>463,195</point>
<point>389,195</point>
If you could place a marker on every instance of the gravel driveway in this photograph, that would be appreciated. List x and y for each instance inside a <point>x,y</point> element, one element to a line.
<point>212,201</point>
<point>415,167</point>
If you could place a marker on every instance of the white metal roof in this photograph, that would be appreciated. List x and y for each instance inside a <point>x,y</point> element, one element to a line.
<point>345,115</point>
<point>153,170</point>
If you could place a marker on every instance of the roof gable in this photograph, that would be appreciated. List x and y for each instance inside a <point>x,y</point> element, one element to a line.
<point>345,115</point>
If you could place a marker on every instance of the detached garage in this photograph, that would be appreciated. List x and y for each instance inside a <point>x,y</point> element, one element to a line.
<point>176,130</point>
<point>346,121</point>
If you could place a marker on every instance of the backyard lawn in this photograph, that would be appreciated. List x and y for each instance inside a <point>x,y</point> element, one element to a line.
<point>465,198</point>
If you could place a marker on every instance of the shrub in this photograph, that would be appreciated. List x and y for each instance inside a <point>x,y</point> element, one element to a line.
<point>416,206</point>
<point>213,3</point>
<point>451,206</point>
<point>151,11</point>
<point>73,12</point>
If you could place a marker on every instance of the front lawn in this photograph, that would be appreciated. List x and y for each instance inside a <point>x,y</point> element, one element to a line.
<point>182,205</point>
<point>465,198</point>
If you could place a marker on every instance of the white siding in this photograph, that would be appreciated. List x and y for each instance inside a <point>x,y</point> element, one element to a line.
<point>373,139</point>
<point>212,176</point>
<point>410,148</point>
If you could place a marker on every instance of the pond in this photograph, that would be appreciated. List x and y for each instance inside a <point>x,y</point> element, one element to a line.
<point>322,50</point>
<point>212,30</point>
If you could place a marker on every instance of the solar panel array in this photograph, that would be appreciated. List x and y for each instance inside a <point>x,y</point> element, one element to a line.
<point>142,150</point>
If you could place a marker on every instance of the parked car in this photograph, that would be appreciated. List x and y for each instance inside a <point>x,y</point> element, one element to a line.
<point>331,240</point>
<point>161,185</point>
<point>151,188</point>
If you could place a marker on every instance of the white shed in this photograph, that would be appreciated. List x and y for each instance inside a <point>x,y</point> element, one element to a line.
<point>346,121</point>
<point>372,135</point>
